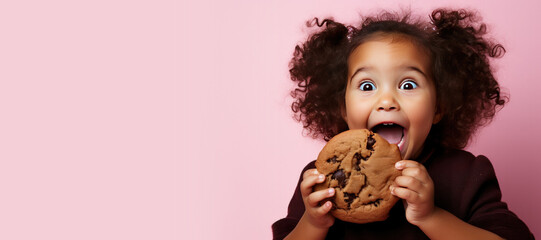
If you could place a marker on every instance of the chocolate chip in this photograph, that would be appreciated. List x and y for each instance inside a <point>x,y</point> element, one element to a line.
<point>357,160</point>
<point>359,156</point>
<point>340,176</point>
<point>349,197</point>
<point>375,203</point>
<point>332,160</point>
<point>370,143</point>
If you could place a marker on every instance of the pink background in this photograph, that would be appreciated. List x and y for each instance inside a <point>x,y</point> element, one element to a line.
<point>171,119</point>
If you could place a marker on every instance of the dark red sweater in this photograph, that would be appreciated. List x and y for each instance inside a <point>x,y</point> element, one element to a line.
<point>464,185</point>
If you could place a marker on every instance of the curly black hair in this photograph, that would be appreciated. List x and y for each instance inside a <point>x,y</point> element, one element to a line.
<point>468,95</point>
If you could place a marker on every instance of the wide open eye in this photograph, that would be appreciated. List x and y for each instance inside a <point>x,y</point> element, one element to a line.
<point>367,86</point>
<point>408,85</point>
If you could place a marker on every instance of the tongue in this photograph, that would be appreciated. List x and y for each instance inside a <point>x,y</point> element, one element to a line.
<point>393,134</point>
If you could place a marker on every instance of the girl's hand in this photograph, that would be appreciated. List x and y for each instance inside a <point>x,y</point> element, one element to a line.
<point>416,188</point>
<point>316,212</point>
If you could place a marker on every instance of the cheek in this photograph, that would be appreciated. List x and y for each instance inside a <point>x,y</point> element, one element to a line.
<point>421,116</point>
<point>357,114</point>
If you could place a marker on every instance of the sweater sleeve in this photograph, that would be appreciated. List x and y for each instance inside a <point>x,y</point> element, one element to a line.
<point>282,227</point>
<point>486,210</point>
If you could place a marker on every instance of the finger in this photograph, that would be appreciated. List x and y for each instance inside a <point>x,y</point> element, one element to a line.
<point>415,172</point>
<point>315,198</point>
<point>309,172</point>
<point>402,164</point>
<point>308,183</point>
<point>324,208</point>
<point>405,193</point>
<point>409,182</point>
<point>414,169</point>
<point>418,173</point>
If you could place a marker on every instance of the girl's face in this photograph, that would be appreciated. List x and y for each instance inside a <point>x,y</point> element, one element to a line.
<point>390,92</point>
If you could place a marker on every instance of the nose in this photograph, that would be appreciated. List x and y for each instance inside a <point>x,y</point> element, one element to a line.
<point>387,102</point>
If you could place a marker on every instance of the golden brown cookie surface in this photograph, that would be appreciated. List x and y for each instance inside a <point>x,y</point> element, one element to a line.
<point>359,165</point>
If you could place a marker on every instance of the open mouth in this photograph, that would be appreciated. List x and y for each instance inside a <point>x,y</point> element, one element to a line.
<point>392,132</point>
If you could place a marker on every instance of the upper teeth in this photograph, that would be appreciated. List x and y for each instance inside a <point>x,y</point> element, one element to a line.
<point>388,124</point>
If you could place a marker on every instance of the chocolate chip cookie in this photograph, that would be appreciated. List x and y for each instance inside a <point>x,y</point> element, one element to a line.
<point>359,165</point>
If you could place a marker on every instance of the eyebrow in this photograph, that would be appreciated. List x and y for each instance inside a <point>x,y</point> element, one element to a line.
<point>411,68</point>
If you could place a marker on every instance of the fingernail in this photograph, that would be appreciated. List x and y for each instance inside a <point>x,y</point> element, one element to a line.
<point>328,204</point>
<point>321,177</point>
<point>315,171</point>
<point>331,191</point>
<point>392,189</point>
<point>398,165</point>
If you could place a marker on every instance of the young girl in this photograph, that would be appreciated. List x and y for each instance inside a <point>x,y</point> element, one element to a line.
<point>425,86</point>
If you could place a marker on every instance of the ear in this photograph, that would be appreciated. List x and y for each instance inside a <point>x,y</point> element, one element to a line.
<point>437,116</point>
<point>344,113</point>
